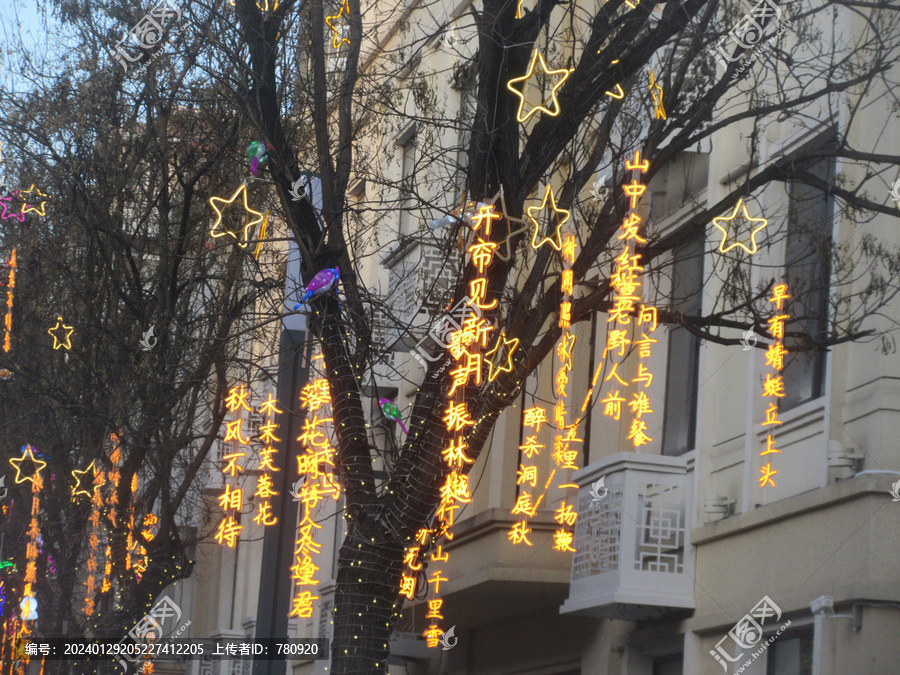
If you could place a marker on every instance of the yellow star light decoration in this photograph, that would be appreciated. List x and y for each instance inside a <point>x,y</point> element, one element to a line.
<point>28,207</point>
<point>538,58</point>
<point>746,216</point>
<point>555,241</point>
<point>508,348</point>
<point>504,211</point>
<point>77,489</point>
<point>65,343</point>
<point>345,9</point>
<point>29,455</point>
<point>656,91</point>
<point>244,238</point>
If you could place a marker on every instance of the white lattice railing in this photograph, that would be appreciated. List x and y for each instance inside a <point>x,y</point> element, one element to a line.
<point>633,555</point>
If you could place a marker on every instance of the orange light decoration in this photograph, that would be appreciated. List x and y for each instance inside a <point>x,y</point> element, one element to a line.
<point>722,224</point>
<point>60,327</point>
<point>656,92</point>
<point>537,59</point>
<point>31,550</point>
<point>316,469</point>
<point>7,319</point>
<point>93,544</point>
<point>232,500</point>
<point>505,347</point>
<point>343,11</point>
<point>619,92</point>
<point>264,484</point>
<point>244,237</point>
<point>773,387</point>
<point>629,318</point>
<point>77,489</point>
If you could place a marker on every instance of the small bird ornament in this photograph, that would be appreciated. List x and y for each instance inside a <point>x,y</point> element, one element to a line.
<point>257,154</point>
<point>392,412</point>
<point>323,282</point>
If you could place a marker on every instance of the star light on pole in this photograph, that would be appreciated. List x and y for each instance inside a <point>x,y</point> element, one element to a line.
<point>507,348</point>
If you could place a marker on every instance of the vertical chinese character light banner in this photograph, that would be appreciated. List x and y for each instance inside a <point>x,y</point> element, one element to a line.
<point>563,454</point>
<point>7,319</point>
<point>628,306</point>
<point>94,542</point>
<point>773,387</point>
<point>232,499</point>
<point>265,484</point>
<point>316,469</point>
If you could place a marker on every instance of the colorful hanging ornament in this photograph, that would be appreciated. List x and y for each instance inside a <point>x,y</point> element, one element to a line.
<point>392,412</point>
<point>5,374</point>
<point>323,282</point>
<point>257,154</point>
<point>29,608</point>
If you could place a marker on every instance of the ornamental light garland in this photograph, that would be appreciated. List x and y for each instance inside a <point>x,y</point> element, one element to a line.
<point>773,387</point>
<point>232,499</point>
<point>265,484</point>
<point>626,282</point>
<point>316,469</point>
<point>7,319</point>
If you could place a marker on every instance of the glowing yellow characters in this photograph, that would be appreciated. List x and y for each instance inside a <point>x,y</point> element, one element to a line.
<point>245,235</point>
<point>758,225</point>
<point>538,59</point>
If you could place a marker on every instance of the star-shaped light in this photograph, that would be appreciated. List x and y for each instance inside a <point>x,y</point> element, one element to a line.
<point>555,241</point>
<point>30,207</point>
<point>656,91</point>
<point>243,239</point>
<point>508,348</point>
<point>746,216</point>
<point>345,9</point>
<point>29,455</point>
<point>77,489</point>
<point>5,202</point>
<point>64,343</point>
<point>538,58</point>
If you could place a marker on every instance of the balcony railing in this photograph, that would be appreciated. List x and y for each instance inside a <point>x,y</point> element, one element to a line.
<point>633,557</point>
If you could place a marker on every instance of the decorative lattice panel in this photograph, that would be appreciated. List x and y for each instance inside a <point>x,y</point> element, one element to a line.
<point>598,532</point>
<point>661,528</point>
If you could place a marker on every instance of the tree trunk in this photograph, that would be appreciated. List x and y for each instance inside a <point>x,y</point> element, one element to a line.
<point>367,601</point>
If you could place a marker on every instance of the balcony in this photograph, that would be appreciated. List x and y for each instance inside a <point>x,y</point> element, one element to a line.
<point>634,557</point>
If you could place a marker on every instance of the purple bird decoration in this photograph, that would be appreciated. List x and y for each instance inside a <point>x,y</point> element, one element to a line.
<point>392,412</point>
<point>323,282</point>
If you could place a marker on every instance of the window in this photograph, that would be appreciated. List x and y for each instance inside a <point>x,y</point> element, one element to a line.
<point>669,665</point>
<point>791,655</point>
<point>807,271</point>
<point>407,181</point>
<point>683,363</point>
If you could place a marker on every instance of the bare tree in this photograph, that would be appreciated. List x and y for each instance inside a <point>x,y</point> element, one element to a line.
<point>326,105</point>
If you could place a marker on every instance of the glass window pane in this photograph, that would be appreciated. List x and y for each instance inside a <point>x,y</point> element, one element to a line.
<point>791,656</point>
